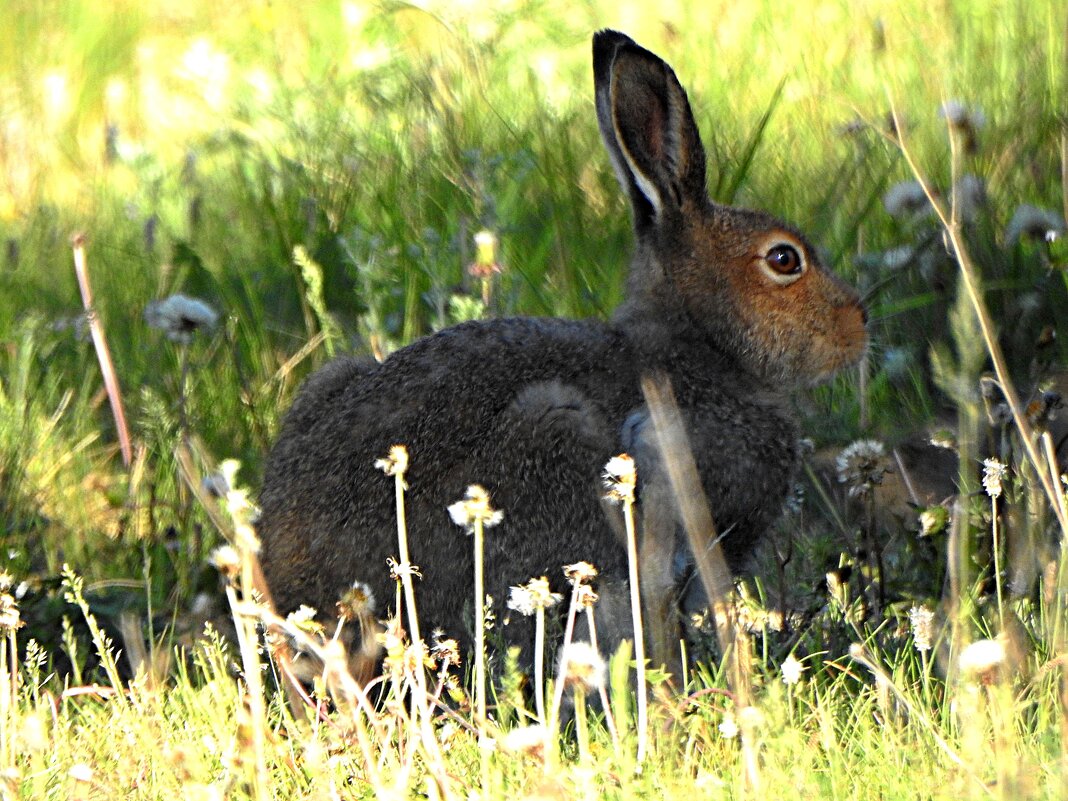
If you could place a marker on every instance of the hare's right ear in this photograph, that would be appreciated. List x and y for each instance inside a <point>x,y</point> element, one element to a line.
<point>648,128</point>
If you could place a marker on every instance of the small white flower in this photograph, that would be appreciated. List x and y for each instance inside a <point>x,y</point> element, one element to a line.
<point>729,727</point>
<point>994,473</point>
<point>906,199</point>
<point>933,519</point>
<point>525,740</point>
<point>475,507</point>
<point>1033,222</point>
<point>791,670</point>
<point>81,772</point>
<point>921,619</point>
<point>303,618</point>
<point>180,316</point>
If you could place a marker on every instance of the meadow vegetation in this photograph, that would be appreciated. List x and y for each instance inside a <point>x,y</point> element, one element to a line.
<point>310,179</point>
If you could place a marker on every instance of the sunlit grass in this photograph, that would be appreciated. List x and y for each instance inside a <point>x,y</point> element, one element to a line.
<point>220,150</point>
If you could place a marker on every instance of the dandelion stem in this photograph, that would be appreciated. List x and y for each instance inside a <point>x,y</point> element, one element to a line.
<point>480,631</point>
<point>997,557</point>
<point>639,639</point>
<point>539,664</point>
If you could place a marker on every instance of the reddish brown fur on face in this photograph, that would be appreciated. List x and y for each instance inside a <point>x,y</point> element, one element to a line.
<point>800,331</point>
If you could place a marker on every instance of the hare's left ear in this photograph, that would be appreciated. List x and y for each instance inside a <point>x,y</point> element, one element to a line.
<point>648,128</point>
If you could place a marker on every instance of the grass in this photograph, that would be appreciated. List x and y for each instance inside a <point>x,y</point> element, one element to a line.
<point>317,175</point>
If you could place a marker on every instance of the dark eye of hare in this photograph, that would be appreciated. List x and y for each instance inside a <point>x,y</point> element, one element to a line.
<point>785,260</point>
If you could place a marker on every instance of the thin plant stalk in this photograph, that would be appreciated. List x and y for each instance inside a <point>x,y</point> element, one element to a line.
<point>569,633</point>
<point>582,732</point>
<point>103,353</point>
<point>639,636</point>
<point>406,570</point>
<point>997,558</point>
<point>480,629</point>
<point>602,690</point>
<point>539,664</point>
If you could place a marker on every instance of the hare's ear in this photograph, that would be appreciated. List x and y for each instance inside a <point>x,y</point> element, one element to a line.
<point>647,126</point>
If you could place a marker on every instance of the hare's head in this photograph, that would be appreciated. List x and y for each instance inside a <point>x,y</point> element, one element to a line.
<point>741,278</point>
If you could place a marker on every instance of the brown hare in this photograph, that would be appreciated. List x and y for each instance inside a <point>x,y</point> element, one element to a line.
<point>732,306</point>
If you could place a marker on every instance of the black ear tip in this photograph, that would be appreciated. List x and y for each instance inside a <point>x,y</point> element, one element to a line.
<point>605,44</point>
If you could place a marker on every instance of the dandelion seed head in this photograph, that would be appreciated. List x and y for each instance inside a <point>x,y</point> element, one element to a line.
<point>179,317</point>
<point>10,618</point>
<point>357,602</point>
<point>445,650</point>
<point>475,508</point>
<point>620,479</point>
<point>303,619</point>
<point>906,199</point>
<point>586,598</point>
<point>582,666</point>
<point>982,660</point>
<point>791,670</point>
<point>958,115</point>
<point>580,572</point>
<point>860,466</point>
<point>1034,223</point>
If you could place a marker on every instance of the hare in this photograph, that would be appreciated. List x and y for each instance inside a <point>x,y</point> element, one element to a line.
<point>732,306</point>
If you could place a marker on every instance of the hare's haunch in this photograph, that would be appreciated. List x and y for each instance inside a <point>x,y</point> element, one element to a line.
<point>732,306</point>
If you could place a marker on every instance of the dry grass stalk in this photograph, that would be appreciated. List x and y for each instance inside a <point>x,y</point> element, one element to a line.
<point>103,353</point>
<point>677,458</point>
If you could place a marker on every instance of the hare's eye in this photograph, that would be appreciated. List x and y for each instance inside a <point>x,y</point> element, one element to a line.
<point>785,260</point>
